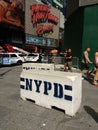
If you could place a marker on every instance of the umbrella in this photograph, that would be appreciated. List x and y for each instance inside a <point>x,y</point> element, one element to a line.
<point>54,51</point>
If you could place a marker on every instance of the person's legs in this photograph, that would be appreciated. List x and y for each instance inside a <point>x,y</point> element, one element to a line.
<point>65,65</point>
<point>87,68</point>
<point>95,78</point>
<point>82,67</point>
<point>93,70</point>
<point>70,66</point>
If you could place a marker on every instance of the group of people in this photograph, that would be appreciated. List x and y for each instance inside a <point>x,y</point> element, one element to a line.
<point>85,63</point>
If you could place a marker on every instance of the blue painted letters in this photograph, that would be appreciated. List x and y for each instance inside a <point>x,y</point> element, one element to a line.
<point>45,86</point>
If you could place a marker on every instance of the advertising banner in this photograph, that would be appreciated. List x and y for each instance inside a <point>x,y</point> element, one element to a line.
<point>12,12</point>
<point>41,20</point>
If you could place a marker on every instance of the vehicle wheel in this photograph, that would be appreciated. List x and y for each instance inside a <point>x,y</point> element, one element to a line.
<point>19,62</point>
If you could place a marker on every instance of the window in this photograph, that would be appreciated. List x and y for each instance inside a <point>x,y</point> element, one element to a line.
<point>13,55</point>
<point>5,55</point>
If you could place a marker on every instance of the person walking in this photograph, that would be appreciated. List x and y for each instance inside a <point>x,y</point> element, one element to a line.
<point>86,61</point>
<point>68,60</point>
<point>95,79</point>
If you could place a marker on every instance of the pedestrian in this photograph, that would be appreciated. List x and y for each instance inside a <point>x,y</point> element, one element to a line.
<point>40,58</point>
<point>86,61</point>
<point>68,60</point>
<point>95,79</point>
<point>64,54</point>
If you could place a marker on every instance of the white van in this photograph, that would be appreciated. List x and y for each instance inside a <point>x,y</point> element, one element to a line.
<point>12,58</point>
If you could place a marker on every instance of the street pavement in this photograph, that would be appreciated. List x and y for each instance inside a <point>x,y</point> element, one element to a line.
<point>17,114</point>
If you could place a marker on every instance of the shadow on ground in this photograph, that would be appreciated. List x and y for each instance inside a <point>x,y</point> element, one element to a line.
<point>92,113</point>
<point>89,78</point>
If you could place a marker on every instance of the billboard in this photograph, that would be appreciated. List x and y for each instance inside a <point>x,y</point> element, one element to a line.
<point>12,12</point>
<point>41,20</point>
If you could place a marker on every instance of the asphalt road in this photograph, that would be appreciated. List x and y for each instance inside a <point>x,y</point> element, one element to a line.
<point>17,114</point>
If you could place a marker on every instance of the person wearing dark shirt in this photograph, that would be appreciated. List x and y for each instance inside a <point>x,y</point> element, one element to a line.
<point>68,61</point>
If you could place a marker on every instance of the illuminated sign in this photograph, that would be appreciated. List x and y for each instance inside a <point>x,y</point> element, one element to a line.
<point>41,14</point>
<point>41,20</point>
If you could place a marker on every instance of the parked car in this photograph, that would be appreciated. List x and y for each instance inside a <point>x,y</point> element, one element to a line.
<point>11,58</point>
<point>32,57</point>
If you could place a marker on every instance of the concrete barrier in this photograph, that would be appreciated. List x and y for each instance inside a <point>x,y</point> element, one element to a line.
<point>30,67</point>
<point>52,88</point>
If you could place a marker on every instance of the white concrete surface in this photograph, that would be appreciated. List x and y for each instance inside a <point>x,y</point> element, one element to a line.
<point>30,67</point>
<point>52,88</point>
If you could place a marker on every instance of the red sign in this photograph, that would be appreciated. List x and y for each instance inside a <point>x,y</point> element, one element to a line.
<point>40,17</point>
<point>44,29</point>
<point>41,14</point>
<point>39,8</point>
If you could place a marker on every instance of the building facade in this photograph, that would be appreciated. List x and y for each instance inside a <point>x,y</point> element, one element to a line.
<point>41,25</point>
<point>48,24</point>
<point>12,22</point>
<point>81,29</point>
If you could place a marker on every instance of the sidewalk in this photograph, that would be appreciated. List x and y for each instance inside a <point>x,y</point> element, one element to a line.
<point>16,114</point>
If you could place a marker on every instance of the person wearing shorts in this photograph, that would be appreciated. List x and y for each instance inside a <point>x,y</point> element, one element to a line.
<point>86,61</point>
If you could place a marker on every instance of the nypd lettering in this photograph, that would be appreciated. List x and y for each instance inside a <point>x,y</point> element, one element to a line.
<point>45,87</point>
